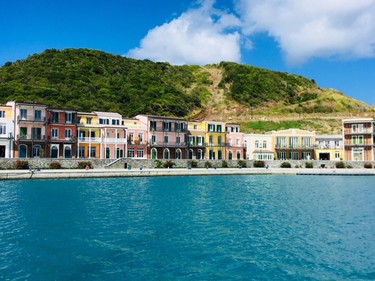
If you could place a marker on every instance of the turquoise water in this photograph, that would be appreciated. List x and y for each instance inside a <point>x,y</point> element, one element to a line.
<point>189,228</point>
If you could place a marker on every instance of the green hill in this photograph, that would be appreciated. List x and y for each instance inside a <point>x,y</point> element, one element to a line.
<point>88,80</point>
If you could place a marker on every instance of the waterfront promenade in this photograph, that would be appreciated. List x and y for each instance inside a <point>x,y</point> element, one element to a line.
<point>104,173</point>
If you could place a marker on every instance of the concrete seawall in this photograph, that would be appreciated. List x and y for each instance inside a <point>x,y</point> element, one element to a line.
<point>104,173</point>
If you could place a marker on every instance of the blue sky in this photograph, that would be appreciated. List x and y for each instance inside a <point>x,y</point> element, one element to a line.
<point>332,42</point>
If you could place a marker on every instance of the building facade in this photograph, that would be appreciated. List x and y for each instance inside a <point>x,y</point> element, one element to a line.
<point>6,131</point>
<point>215,140</point>
<point>235,147</point>
<point>359,139</point>
<point>329,147</point>
<point>259,147</point>
<point>196,140</point>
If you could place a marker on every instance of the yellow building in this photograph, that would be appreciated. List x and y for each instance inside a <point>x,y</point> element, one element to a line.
<point>196,140</point>
<point>89,135</point>
<point>294,144</point>
<point>215,140</point>
<point>329,147</point>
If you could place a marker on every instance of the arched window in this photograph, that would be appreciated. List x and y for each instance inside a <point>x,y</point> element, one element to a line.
<point>54,152</point>
<point>23,151</point>
<point>68,152</point>
<point>37,150</point>
<point>166,154</point>
<point>256,144</point>
<point>178,154</point>
<point>191,153</point>
<point>238,155</point>
<point>154,154</point>
<point>230,155</point>
<point>199,154</point>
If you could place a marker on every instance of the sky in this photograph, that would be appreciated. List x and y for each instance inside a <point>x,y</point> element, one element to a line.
<point>330,41</point>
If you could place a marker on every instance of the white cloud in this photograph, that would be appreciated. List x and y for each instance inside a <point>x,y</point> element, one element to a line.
<point>308,29</point>
<point>199,36</point>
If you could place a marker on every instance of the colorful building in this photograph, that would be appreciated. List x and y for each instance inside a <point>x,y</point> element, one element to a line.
<point>329,147</point>
<point>259,147</point>
<point>29,129</point>
<point>167,136</point>
<point>215,140</point>
<point>137,136</point>
<point>293,144</point>
<point>235,147</point>
<point>6,131</point>
<point>196,140</point>
<point>359,139</point>
<point>89,135</point>
<point>61,133</point>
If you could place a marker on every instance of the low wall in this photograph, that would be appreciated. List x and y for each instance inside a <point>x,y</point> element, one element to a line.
<point>127,163</point>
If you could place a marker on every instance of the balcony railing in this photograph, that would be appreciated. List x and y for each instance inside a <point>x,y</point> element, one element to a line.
<point>114,141</point>
<point>30,118</point>
<point>61,122</point>
<point>89,139</point>
<point>358,132</point>
<point>31,137</point>
<point>294,147</point>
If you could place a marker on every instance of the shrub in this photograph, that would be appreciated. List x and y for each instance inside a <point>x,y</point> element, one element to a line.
<point>158,164</point>
<point>207,164</point>
<point>224,164</point>
<point>193,164</point>
<point>55,165</point>
<point>84,164</point>
<point>242,163</point>
<point>259,164</point>
<point>22,165</point>
<point>340,165</point>
<point>309,165</point>
<point>286,165</point>
<point>169,164</point>
<point>368,165</point>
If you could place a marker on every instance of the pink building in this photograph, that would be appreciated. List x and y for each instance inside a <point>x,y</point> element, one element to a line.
<point>235,143</point>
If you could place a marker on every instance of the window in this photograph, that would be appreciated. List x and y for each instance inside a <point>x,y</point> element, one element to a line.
<point>200,140</point>
<point>140,153</point>
<point>36,133</point>
<point>140,138</point>
<point>293,142</point>
<point>166,126</point>
<point>153,125</point>
<point>107,152</point>
<point>68,118</point>
<point>115,122</point>
<point>68,133</point>
<point>294,155</point>
<point>337,155</point>
<point>256,144</point>
<point>238,155</point>
<point>23,133</point>
<point>89,120</point>
<point>199,154</point>
<point>306,142</point>
<point>211,127</point>
<point>238,142</point>
<point>264,144</point>
<point>178,154</point>
<point>230,155</point>
<point>191,140</point>
<point>211,140</point>
<point>357,128</point>
<point>179,127</point>
<point>195,127</point>
<point>218,128</point>
<point>281,155</point>
<point>2,114</point>
<point>55,117</point>
<point>23,114</point>
<point>358,140</point>
<point>131,152</point>
<point>358,154</point>
<point>119,153</point>
<point>93,152</point>
<point>68,151</point>
<point>37,151</point>
<point>3,129</point>
<point>219,141</point>
<point>306,155</point>
<point>55,133</point>
<point>178,140</point>
<point>38,115</point>
<point>166,153</point>
<point>166,138</point>
<point>281,142</point>
<point>103,121</point>
<point>153,139</point>
<point>131,138</point>
<point>81,152</point>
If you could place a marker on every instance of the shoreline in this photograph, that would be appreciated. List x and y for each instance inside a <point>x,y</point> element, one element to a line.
<point>117,173</point>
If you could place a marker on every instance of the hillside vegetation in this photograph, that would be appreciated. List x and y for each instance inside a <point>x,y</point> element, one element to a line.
<point>88,80</point>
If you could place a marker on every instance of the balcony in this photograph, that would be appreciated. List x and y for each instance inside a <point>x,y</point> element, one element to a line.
<point>30,118</point>
<point>358,132</point>
<point>31,137</point>
<point>114,141</point>
<point>61,122</point>
<point>89,139</point>
<point>168,144</point>
<point>294,147</point>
